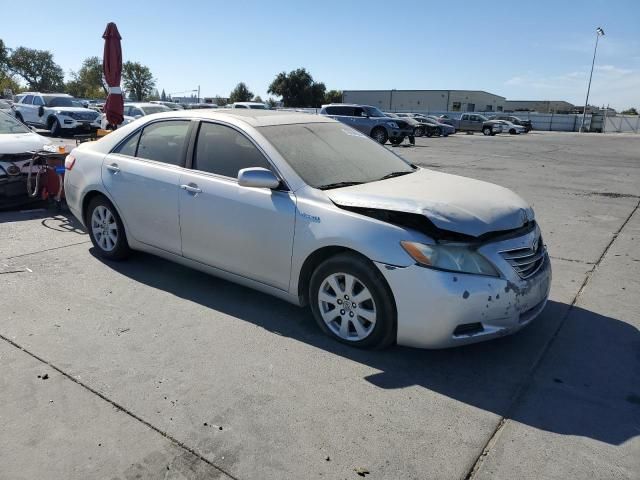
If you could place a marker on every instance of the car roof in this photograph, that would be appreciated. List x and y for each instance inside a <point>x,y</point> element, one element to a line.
<point>254,118</point>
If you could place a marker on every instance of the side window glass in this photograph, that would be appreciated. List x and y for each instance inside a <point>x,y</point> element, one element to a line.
<point>358,112</point>
<point>27,100</point>
<point>331,110</point>
<point>224,151</point>
<point>164,142</point>
<point>129,147</point>
<point>38,101</point>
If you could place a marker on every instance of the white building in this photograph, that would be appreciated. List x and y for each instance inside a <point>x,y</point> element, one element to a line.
<point>427,100</point>
<point>541,106</point>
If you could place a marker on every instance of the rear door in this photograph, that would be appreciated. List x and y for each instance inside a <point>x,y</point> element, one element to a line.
<point>142,176</point>
<point>242,230</point>
<point>25,107</point>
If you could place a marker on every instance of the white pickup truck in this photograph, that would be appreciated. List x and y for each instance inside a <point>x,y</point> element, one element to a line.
<point>57,112</point>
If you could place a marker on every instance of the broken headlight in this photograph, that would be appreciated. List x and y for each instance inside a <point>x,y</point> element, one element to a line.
<point>451,258</point>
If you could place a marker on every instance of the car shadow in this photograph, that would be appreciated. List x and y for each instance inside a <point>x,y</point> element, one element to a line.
<point>601,358</point>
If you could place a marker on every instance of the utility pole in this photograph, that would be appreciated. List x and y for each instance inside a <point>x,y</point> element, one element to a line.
<point>599,33</point>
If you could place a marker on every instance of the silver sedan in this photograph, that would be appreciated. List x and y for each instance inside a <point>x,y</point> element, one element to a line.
<point>309,210</point>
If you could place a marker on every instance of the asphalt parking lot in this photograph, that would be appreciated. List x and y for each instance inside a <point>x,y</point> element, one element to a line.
<point>146,369</point>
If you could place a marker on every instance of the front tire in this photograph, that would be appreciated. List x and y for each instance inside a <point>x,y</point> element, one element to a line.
<point>379,134</point>
<point>106,229</point>
<point>513,131</point>
<point>396,140</point>
<point>487,131</point>
<point>54,127</point>
<point>418,132</point>
<point>352,302</point>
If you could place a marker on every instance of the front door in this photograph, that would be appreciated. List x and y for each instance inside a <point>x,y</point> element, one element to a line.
<point>143,177</point>
<point>245,231</point>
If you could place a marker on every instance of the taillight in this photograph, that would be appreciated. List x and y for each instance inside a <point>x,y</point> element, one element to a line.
<point>69,162</point>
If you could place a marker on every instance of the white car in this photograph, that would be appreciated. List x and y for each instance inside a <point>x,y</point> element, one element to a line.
<point>251,105</point>
<point>133,111</point>
<point>512,128</point>
<point>57,112</point>
<point>310,210</point>
<point>17,144</point>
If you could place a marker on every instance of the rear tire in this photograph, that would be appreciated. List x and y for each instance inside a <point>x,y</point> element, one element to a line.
<point>352,302</point>
<point>418,132</point>
<point>429,132</point>
<point>106,229</point>
<point>379,134</point>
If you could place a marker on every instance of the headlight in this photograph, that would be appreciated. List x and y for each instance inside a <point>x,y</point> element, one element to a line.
<point>392,125</point>
<point>450,258</point>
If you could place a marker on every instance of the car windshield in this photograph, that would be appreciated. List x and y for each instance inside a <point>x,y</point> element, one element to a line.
<point>149,109</point>
<point>374,112</point>
<point>53,101</point>
<point>330,154</point>
<point>11,125</point>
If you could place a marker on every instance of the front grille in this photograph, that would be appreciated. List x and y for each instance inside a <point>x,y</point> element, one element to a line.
<point>83,115</point>
<point>526,261</point>
<point>401,124</point>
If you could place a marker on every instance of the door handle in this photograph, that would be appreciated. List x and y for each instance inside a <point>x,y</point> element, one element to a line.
<point>193,188</point>
<point>113,168</point>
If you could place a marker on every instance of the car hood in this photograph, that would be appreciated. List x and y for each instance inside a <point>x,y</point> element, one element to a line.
<point>451,202</point>
<point>73,109</point>
<point>21,142</point>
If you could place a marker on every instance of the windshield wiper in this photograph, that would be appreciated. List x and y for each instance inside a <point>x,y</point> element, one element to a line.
<point>337,185</point>
<point>395,174</point>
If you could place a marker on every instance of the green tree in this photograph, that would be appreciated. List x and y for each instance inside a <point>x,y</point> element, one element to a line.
<point>630,111</point>
<point>240,94</point>
<point>271,103</point>
<point>298,89</point>
<point>163,96</point>
<point>333,96</point>
<point>137,80</point>
<point>7,81</point>
<point>88,81</point>
<point>257,98</point>
<point>37,68</point>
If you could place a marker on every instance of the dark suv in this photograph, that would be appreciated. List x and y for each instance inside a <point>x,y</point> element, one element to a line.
<point>518,121</point>
<point>370,121</point>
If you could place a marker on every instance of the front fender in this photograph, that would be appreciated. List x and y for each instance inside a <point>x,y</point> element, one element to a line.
<point>320,223</point>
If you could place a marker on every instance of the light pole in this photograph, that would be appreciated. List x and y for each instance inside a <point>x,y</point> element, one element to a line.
<point>599,33</point>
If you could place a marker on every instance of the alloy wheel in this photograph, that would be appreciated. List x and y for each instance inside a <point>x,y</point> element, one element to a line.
<point>347,306</point>
<point>104,228</point>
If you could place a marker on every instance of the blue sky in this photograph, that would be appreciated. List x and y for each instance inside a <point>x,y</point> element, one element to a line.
<point>534,49</point>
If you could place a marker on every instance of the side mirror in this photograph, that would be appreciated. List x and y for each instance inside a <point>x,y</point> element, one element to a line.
<point>257,177</point>
<point>40,111</point>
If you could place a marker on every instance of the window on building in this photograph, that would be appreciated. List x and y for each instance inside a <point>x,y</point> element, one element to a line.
<point>471,107</point>
<point>499,108</point>
<point>489,108</point>
<point>456,106</point>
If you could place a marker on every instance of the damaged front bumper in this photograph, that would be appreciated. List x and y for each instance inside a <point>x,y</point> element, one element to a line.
<point>439,309</point>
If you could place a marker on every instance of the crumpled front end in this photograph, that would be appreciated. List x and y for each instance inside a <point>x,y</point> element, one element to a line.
<point>439,309</point>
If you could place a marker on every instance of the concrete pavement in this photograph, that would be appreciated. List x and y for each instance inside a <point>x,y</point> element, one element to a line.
<point>162,363</point>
